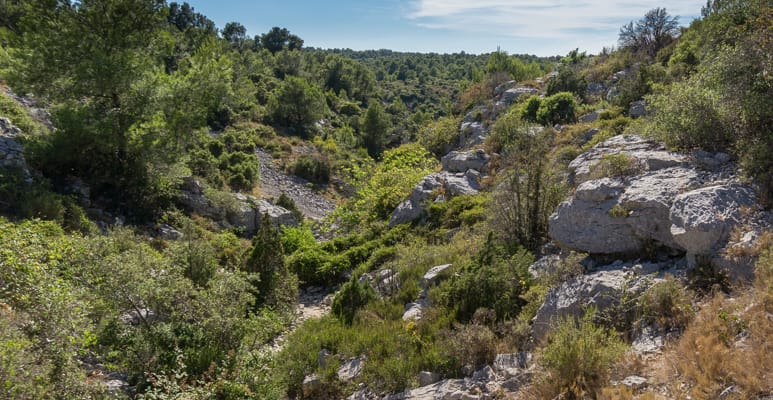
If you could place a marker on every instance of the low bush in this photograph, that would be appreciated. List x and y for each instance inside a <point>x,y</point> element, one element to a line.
<point>668,304</point>
<point>578,358</point>
<point>352,296</point>
<point>557,109</point>
<point>312,168</point>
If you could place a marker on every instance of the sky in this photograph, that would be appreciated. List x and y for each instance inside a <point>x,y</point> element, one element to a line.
<point>540,27</point>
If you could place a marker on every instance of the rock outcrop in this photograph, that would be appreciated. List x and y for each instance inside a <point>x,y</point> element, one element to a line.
<point>414,310</point>
<point>237,209</point>
<point>11,151</point>
<point>667,202</point>
<point>431,188</point>
<point>462,161</point>
<point>601,289</point>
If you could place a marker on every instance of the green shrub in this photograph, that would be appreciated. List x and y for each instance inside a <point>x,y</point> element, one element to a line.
<point>690,115</point>
<point>493,282</point>
<point>440,136</point>
<point>312,168</point>
<point>617,165</point>
<point>557,109</point>
<point>352,296</point>
<point>578,358</point>
<point>295,238</point>
<point>528,109</point>
<point>668,304</point>
<point>288,204</point>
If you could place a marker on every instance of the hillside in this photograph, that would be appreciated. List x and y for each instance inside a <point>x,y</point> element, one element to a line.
<point>190,213</point>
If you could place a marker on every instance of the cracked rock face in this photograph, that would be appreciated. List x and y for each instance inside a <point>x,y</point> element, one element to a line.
<point>669,202</point>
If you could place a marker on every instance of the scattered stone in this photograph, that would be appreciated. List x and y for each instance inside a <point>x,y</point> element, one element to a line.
<point>433,275</point>
<point>637,109</point>
<point>312,386</point>
<point>167,232</point>
<point>634,382</point>
<point>592,116</point>
<point>427,378</point>
<point>350,369</point>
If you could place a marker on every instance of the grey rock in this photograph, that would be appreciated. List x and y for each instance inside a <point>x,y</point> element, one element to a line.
<point>511,95</point>
<point>648,341</point>
<point>135,317</point>
<point>312,386</point>
<point>167,232</point>
<point>637,109</point>
<point>485,374</point>
<point>453,184</point>
<point>427,378</point>
<point>432,276</point>
<point>702,219</point>
<point>414,311</point>
<point>592,116</point>
<point>249,210</point>
<point>322,358</point>
<point>350,370</point>
<point>502,87</point>
<point>511,361</point>
<point>587,136</point>
<point>601,289</point>
<point>634,382</point>
<point>461,161</point>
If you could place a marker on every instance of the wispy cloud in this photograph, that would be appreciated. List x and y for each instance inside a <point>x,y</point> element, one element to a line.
<point>592,20</point>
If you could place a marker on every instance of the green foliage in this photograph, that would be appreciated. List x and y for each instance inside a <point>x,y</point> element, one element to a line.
<point>440,136</point>
<point>557,109</point>
<point>531,189</point>
<point>374,128</point>
<point>579,357</point>
<point>297,238</point>
<point>690,115</point>
<point>458,211</point>
<point>389,183</point>
<point>617,165</point>
<point>567,80</point>
<point>493,282</point>
<point>288,204</point>
<point>297,105</point>
<point>517,69</point>
<point>668,304</point>
<point>20,117</point>
<point>278,39</point>
<point>528,109</point>
<point>266,260</point>
<point>352,296</point>
<point>314,168</point>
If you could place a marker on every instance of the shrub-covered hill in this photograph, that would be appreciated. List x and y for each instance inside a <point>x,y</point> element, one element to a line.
<point>188,212</point>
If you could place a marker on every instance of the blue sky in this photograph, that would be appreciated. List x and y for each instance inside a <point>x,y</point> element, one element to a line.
<point>547,27</point>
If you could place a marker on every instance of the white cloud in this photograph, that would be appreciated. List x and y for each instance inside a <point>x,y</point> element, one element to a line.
<point>586,20</point>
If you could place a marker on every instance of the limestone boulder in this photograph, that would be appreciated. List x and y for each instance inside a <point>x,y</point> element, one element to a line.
<point>702,219</point>
<point>462,161</point>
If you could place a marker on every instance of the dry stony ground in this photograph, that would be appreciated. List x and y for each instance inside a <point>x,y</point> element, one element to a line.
<point>274,182</point>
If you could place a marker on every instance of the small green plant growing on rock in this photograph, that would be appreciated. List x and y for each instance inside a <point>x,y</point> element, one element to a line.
<point>618,165</point>
<point>618,211</point>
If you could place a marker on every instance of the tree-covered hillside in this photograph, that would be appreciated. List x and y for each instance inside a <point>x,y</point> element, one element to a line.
<point>187,212</point>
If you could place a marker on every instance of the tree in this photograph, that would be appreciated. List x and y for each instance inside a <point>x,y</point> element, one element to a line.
<point>297,105</point>
<point>235,33</point>
<point>93,59</point>
<point>278,39</point>
<point>375,127</point>
<point>266,259</point>
<point>651,33</point>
